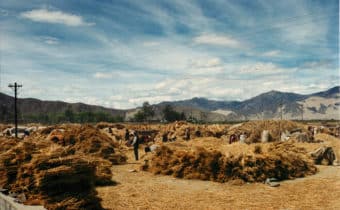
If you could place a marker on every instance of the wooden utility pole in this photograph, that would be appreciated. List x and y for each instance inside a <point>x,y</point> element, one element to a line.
<point>281,104</point>
<point>301,112</point>
<point>15,86</point>
<point>281,109</point>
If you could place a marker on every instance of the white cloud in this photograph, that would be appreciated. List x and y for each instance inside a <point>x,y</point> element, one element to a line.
<point>151,44</point>
<point>49,40</point>
<point>103,75</point>
<point>310,33</point>
<point>306,29</point>
<point>205,66</point>
<point>262,69</point>
<point>317,64</point>
<point>273,53</point>
<point>206,63</point>
<point>218,40</point>
<point>55,17</point>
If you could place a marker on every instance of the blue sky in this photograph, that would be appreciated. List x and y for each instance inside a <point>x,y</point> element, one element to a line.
<point>120,53</point>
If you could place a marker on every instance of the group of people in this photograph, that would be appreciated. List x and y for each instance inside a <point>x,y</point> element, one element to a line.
<point>170,136</point>
<point>234,138</point>
<point>133,139</point>
<point>313,130</point>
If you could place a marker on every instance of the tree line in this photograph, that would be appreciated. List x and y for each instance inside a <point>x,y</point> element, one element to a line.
<point>147,113</point>
<point>68,116</point>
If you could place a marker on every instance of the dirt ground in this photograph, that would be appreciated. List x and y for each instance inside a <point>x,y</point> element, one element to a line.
<point>143,190</point>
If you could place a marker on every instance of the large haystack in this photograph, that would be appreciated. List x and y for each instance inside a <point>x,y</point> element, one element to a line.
<point>254,129</point>
<point>178,130</point>
<point>60,166</point>
<point>173,131</point>
<point>87,140</point>
<point>279,160</point>
<point>58,180</point>
<point>7,143</point>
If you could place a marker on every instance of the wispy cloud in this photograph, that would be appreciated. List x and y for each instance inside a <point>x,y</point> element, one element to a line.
<point>103,75</point>
<point>217,40</point>
<point>55,17</point>
<point>318,64</point>
<point>263,69</point>
<point>50,40</point>
<point>151,44</point>
<point>272,53</point>
<point>206,63</point>
<point>205,66</point>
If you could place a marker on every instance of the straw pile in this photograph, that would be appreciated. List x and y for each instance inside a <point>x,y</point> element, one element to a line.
<point>7,143</point>
<point>60,174</point>
<point>279,160</point>
<point>3,127</point>
<point>102,125</point>
<point>88,140</point>
<point>178,130</point>
<point>253,129</point>
<point>175,130</point>
<point>58,180</point>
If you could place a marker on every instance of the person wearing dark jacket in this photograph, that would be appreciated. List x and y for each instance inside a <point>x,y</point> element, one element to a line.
<point>135,145</point>
<point>187,134</point>
<point>127,135</point>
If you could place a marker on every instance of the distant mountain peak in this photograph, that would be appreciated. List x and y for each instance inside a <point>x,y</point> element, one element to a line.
<point>272,92</point>
<point>198,98</point>
<point>332,92</point>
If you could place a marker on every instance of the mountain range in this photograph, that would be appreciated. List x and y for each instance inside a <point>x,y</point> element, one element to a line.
<point>320,105</point>
<point>269,105</point>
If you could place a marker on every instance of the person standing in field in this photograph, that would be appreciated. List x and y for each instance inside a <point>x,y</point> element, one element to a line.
<point>165,137</point>
<point>187,134</point>
<point>127,135</point>
<point>243,137</point>
<point>232,138</point>
<point>135,145</point>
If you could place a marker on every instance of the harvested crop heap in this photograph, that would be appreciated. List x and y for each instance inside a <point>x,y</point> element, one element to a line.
<point>60,167</point>
<point>178,129</point>
<point>175,130</point>
<point>87,140</point>
<point>280,160</point>
<point>253,129</point>
<point>6,144</point>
